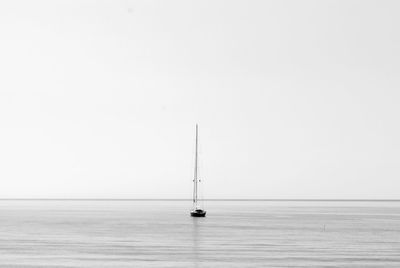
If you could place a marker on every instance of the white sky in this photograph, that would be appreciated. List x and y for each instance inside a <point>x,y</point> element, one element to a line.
<point>295,99</point>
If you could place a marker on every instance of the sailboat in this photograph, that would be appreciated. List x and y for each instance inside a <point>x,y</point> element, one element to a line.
<point>196,211</point>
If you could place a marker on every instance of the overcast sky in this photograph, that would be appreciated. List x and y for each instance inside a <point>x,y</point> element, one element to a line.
<point>294,99</point>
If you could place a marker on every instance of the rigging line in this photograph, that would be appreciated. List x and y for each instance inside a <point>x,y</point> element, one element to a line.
<point>195,170</point>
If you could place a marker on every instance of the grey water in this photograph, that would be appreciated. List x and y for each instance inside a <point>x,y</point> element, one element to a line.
<point>123,234</point>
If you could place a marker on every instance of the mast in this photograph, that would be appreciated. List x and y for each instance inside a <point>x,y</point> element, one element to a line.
<point>195,171</point>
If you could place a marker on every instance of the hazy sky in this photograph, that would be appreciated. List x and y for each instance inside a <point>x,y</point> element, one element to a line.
<point>294,99</point>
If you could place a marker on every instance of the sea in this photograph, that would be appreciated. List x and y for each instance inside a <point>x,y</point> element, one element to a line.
<point>131,233</point>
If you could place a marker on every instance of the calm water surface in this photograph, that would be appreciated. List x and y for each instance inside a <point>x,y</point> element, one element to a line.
<point>234,234</point>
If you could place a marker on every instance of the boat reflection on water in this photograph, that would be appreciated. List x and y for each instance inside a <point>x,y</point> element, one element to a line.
<point>198,243</point>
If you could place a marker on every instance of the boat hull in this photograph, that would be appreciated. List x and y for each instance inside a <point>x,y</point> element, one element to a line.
<point>198,213</point>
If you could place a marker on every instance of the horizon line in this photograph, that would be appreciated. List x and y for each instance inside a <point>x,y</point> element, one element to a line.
<point>205,199</point>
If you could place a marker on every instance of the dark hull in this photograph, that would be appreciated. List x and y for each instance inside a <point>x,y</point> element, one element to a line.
<point>198,214</point>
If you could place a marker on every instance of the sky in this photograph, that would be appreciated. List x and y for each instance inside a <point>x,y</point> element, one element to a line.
<point>294,99</point>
